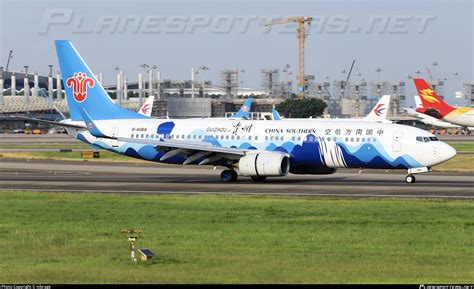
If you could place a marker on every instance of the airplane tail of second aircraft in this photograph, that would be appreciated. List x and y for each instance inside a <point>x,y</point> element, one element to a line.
<point>430,99</point>
<point>380,110</point>
<point>84,93</point>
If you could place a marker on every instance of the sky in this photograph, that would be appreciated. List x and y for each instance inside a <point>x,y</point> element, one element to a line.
<point>399,37</point>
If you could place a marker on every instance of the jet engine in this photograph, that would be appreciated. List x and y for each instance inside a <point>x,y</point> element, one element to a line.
<point>264,164</point>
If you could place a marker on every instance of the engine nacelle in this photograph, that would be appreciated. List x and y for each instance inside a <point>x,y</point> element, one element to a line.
<point>264,164</point>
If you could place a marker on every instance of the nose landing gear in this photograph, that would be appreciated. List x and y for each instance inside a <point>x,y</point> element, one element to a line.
<point>410,179</point>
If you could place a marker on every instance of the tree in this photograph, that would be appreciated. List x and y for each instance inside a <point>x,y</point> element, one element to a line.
<point>302,108</point>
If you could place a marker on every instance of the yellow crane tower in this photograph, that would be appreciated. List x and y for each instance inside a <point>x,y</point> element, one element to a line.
<point>301,20</point>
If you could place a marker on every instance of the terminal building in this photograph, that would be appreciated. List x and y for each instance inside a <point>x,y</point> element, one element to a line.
<point>43,95</point>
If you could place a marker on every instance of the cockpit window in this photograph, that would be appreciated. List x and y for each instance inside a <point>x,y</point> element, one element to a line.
<point>426,139</point>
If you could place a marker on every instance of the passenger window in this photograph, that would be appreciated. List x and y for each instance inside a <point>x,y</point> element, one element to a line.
<point>256,137</point>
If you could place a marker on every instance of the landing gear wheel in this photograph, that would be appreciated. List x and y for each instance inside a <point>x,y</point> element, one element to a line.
<point>410,179</point>
<point>258,179</point>
<point>228,176</point>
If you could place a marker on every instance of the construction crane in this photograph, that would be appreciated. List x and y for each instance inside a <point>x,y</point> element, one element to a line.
<point>301,20</point>
<point>10,56</point>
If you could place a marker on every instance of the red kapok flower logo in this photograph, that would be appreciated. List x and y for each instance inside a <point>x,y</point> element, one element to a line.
<point>79,83</point>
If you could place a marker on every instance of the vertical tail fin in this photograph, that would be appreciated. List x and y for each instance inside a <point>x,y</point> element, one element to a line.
<point>380,110</point>
<point>147,107</point>
<point>430,100</point>
<point>83,90</point>
<point>244,111</point>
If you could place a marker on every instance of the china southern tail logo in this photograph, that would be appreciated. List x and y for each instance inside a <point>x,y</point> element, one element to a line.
<point>428,95</point>
<point>379,109</point>
<point>79,82</point>
<point>245,109</point>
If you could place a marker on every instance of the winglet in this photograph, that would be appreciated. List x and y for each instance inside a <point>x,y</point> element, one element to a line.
<point>275,115</point>
<point>244,111</point>
<point>91,126</point>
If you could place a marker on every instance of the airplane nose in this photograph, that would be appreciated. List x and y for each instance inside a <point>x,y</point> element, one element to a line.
<point>447,152</point>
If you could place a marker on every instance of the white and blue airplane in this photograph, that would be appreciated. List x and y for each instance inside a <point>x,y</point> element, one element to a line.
<point>252,148</point>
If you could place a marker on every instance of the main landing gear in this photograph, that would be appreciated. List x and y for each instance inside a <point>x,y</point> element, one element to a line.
<point>229,176</point>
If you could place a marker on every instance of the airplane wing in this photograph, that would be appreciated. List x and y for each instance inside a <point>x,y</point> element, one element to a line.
<point>64,124</point>
<point>193,151</point>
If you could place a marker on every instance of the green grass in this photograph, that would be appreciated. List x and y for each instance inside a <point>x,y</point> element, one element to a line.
<point>462,146</point>
<point>75,238</point>
<point>460,163</point>
<point>46,146</point>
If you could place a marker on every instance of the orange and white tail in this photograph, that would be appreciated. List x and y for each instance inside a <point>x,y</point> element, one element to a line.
<point>432,104</point>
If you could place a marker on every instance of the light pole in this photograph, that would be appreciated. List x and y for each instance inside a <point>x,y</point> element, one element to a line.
<point>286,70</point>
<point>154,68</point>
<point>26,86</point>
<point>141,84</point>
<point>379,87</point>
<point>203,68</point>
<point>242,82</point>
<point>435,64</point>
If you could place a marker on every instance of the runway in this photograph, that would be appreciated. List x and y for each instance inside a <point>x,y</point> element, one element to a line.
<point>77,176</point>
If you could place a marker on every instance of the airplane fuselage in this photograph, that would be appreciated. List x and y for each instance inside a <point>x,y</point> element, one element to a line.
<point>309,144</point>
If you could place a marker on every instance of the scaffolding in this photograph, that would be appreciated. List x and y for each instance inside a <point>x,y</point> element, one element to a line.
<point>270,82</point>
<point>397,90</point>
<point>469,93</point>
<point>229,79</point>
